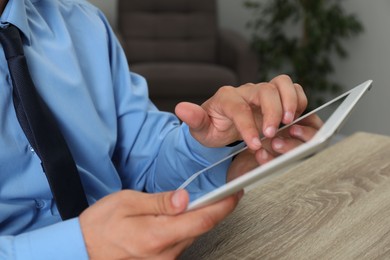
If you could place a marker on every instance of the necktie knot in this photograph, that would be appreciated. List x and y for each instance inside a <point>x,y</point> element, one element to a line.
<point>11,41</point>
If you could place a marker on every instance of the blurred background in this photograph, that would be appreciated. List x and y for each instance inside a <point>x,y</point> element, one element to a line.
<point>368,54</point>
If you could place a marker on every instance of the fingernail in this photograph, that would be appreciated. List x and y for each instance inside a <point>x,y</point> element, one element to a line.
<point>288,117</point>
<point>256,141</point>
<point>297,131</point>
<point>264,154</point>
<point>277,143</point>
<point>270,131</point>
<point>176,199</point>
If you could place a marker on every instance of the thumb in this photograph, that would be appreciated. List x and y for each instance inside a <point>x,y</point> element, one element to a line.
<point>165,203</point>
<point>193,115</point>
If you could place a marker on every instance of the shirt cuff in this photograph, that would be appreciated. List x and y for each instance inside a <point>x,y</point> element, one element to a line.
<point>63,240</point>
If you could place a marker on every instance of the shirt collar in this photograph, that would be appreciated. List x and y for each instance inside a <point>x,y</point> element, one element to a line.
<point>15,13</point>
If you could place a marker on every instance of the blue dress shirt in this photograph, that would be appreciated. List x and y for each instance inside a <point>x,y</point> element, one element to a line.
<point>118,138</point>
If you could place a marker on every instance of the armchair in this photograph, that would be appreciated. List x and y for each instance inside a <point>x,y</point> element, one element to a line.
<point>177,46</point>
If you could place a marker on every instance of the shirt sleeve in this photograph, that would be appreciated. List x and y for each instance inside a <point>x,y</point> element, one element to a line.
<point>154,151</point>
<point>184,155</point>
<point>63,240</point>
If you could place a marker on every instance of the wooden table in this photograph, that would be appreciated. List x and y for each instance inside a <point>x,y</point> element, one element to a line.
<point>335,205</point>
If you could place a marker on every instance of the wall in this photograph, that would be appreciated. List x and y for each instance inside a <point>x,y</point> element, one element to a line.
<point>369,57</point>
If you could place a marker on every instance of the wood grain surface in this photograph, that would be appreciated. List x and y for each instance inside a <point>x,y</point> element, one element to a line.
<point>335,205</point>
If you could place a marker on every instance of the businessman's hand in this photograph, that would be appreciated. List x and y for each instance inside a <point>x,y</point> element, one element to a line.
<point>244,112</point>
<point>134,225</point>
<point>283,142</point>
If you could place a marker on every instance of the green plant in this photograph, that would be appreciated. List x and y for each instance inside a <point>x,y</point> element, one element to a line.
<point>300,38</point>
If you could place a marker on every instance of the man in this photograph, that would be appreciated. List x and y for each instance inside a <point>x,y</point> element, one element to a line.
<point>122,145</point>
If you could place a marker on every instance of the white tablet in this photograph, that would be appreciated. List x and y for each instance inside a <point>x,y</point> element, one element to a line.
<point>333,114</point>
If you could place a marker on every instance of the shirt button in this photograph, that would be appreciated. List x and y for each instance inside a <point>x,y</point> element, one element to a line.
<point>39,204</point>
<point>31,149</point>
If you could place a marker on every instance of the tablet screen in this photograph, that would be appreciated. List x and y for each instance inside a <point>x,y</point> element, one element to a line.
<point>197,187</point>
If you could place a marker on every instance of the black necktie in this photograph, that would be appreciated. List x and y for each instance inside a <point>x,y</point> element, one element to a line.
<point>40,128</point>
